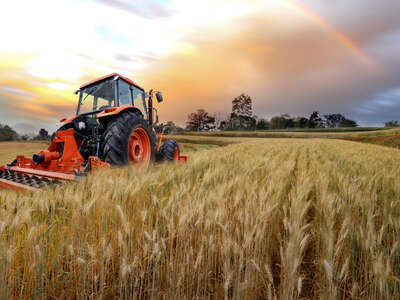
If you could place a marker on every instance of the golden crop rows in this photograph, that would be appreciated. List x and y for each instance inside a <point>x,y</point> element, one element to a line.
<point>272,219</point>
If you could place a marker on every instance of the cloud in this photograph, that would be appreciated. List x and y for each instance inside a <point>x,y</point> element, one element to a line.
<point>25,128</point>
<point>288,65</point>
<point>14,91</point>
<point>362,20</point>
<point>146,9</point>
<point>386,105</point>
<point>202,54</point>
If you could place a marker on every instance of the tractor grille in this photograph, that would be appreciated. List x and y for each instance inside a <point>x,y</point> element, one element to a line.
<point>28,180</point>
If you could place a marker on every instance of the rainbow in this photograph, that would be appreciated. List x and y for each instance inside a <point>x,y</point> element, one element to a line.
<point>341,37</point>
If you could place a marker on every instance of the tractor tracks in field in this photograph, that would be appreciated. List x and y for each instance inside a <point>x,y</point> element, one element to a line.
<point>301,242</point>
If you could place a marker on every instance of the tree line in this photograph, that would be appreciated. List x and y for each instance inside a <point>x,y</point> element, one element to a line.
<point>242,118</point>
<point>9,134</point>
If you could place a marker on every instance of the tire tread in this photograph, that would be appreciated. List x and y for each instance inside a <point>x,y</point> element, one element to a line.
<point>167,150</point>
<point>116,137</point>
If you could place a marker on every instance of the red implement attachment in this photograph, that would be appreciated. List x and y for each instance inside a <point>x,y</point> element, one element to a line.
<point>59,163</point>
<point>179,158</point>
<point>97,164</point>
<point>183,158</point>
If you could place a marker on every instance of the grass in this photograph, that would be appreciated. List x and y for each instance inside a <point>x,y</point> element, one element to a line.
<point>267,219</point>
<point>387,137</point>
<point>186,148</point>
<point>309,133</point>
<point>341,129</point>
<point>9,150</point>
<point>207,140</point>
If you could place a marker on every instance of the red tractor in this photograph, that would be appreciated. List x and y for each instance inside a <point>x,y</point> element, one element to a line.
<point>113,125</point>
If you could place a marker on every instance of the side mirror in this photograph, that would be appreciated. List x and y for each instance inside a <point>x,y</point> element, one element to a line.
<point>159,97</point>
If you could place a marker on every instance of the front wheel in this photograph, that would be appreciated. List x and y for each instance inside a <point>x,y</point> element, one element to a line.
<point>169,151</point>
<point>128,139</point>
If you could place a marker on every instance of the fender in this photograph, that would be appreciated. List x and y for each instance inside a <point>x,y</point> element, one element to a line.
<point>105,114</point>
<point>66,121</point>
<point>114,111</point>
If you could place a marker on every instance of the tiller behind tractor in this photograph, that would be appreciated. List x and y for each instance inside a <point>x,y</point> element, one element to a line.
<point>60,162</point>
<point>108,129</point>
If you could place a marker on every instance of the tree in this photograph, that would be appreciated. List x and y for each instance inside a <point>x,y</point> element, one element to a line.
<point>219,119</point>
<point>242,106</point>
<point>392,123</point>
<point>348,123</point>
<point>282,122</point>
<point>262,124</point>
<point>225,124</point>
<point>7,133</point>
<point>301,122</point>
<point>200,121</point>
<point>288,120</point>
<point>171,127</point>
<point>167,128</point>
<point>333,120</point>
<point>242,114</point>
<point>316,121</point>
<point>277,122</point>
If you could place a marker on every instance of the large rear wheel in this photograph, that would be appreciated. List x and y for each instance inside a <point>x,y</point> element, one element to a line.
<point>128,139</point>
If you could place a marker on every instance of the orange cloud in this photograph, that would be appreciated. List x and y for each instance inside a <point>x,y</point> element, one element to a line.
<point>262,58</point>
<point>288,58</point>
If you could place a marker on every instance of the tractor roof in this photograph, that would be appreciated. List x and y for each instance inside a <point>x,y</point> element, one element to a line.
<point>109,76</point>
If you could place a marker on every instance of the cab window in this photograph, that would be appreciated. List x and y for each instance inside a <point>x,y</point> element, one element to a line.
<point>124,93</point>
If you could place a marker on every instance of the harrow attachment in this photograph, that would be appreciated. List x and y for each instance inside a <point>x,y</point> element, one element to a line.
<point>61,163</point>
<point>13,178</point>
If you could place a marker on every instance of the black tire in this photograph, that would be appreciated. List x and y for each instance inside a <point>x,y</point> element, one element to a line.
<point>117,135</point>
<point>167,150</point>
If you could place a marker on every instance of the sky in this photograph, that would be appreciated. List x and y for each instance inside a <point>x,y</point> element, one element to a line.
<point>290,56</point>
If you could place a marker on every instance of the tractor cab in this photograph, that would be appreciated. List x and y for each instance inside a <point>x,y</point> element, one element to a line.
<point>103,95</point>
<point>110,91</point>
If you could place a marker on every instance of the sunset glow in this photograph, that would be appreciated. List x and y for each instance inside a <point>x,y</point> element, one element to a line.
<point>199,53</point>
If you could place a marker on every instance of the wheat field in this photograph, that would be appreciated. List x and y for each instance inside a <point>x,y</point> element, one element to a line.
<point>338,133</point>
<point>9,150</point>
<point>267,219</point>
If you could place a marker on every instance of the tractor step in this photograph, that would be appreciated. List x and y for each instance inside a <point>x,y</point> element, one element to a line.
<point>18,180</point>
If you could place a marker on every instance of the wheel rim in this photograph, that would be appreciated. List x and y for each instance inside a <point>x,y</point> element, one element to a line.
<point>139,148</point>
